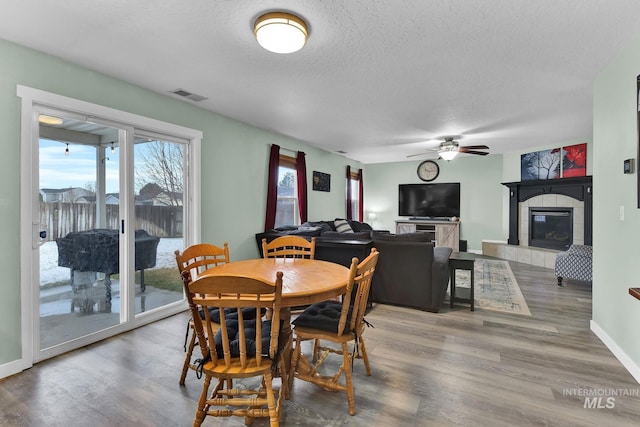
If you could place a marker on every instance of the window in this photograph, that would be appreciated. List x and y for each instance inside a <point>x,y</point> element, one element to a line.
<point>354,183</point>
<point>354,195</point>
<point>287,212</point>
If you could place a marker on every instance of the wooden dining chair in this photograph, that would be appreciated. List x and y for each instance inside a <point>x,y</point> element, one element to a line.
<point>238,348</point>
<point>338,322</point>
<point>289,247</point>
<point>193,261</point>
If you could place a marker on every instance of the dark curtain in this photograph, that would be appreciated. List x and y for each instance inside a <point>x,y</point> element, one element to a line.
<point>272,188</point>
<point>349,200</point>
<point>301,172</point>
<point>360,196</point>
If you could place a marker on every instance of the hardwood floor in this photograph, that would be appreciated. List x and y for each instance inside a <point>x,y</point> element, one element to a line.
<point>456,367</point>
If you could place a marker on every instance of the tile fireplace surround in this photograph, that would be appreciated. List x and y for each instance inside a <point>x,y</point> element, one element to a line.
<point>575,193</point>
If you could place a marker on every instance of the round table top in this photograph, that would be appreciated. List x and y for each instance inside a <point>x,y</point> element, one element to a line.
<point>304,281</point>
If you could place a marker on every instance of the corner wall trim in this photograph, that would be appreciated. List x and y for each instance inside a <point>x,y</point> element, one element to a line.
<point>626,361</point>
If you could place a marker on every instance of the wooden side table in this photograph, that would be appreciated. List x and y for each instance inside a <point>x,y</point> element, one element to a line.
<point>461,261</point>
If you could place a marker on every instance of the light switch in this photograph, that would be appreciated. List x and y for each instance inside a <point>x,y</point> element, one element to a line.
<point>621,212</point>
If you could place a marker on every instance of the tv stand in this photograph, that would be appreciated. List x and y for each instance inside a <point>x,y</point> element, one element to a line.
<point>442,232</point>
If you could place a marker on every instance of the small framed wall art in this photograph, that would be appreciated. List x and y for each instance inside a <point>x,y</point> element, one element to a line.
<point>321,181</point>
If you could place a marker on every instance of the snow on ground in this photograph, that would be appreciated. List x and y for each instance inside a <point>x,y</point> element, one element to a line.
<point>50,272</point>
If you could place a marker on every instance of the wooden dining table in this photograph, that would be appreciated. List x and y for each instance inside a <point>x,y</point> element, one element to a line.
<point>304,281</point>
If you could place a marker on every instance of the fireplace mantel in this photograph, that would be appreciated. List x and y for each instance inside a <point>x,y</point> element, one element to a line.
<point>580,188</point>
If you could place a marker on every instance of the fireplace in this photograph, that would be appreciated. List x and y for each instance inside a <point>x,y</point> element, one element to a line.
<point>551,228</point>
<point>578,188</point>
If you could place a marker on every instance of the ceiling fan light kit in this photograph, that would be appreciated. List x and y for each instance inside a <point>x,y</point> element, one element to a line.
<point>281,32</point>
<point>449,149</point>
<point>448,153</point>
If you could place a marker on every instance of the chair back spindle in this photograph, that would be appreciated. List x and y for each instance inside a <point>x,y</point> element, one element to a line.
<point>289,247</point>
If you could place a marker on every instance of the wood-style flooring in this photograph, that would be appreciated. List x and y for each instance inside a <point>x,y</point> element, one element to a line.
<point>456,367</point>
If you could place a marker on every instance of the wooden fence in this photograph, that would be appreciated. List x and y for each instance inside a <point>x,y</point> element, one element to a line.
<point>59,219</point>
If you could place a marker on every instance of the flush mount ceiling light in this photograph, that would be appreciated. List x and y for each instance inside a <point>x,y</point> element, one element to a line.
<point>280,32</point>
<point>50,120</point>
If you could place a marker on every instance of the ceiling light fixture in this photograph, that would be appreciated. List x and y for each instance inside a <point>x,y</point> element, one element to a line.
<point>66,150</point>
<point>113,149</point>
<point>448,152</point>
<point>280,32</point>
<point>50,120</point>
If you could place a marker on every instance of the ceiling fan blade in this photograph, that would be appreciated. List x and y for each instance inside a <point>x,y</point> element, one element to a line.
<point>476,147</point>
<point>480,153</point>
<point>419,154</point>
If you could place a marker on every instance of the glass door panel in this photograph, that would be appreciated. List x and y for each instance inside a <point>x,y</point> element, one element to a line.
<point>78,230</point>
<point>159,215</point>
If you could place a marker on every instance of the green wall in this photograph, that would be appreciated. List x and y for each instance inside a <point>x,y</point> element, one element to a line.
<point>480,194</point>
<point>615,241</point>
<point>234,165</point>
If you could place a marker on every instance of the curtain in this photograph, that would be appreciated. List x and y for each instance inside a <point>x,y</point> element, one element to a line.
<point>360,196</point>
<point>301,172</point>
<point>272,188</point>
<point>349,200</point>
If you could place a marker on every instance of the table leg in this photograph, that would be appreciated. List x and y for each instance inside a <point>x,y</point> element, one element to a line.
<point>286,334</point>
<point>471,296</point>
<point>452,291</point>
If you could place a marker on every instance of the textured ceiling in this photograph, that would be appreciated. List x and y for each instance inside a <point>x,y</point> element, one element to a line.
<point>379,80</point>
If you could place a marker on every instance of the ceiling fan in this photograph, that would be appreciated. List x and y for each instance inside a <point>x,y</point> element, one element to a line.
<point>450,149</point>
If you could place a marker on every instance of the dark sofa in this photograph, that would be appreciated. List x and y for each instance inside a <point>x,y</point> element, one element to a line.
<point>331,245</point>
<point>410,271</point>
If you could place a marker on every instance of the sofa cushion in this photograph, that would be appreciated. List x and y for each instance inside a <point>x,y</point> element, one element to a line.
<point>362,235</point>
<point>324,225</point>
<point>358,226</point>
<point>406,237</point>
<point>304,232</point>
<point>321,315</point>
<point>342,226</point>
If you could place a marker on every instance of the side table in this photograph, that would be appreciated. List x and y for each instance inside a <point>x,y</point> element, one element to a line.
<point>461,261</point>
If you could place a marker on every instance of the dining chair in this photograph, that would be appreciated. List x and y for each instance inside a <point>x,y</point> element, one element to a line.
<point>289,247</point>
<point>194,260</point>
<point>340,323</point>
<point>238,348</point>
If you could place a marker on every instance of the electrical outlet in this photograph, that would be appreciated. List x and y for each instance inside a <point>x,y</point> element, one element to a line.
<point>621,213</point>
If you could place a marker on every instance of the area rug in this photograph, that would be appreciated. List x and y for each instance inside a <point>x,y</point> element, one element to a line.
<point>495,287</point>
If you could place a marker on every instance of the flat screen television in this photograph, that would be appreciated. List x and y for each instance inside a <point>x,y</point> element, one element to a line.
<point>429,200</point>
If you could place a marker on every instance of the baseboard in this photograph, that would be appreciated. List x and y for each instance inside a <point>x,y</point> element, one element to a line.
<point>12,368</point>
<point>626,361</point>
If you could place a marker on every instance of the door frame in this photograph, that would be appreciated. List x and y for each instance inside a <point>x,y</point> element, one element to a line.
<point>32,99</point>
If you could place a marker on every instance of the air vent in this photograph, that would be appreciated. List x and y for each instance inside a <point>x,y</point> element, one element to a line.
<point>192,96</point>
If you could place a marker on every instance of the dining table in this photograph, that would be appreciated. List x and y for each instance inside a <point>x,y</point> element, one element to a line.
<point>304,282</point>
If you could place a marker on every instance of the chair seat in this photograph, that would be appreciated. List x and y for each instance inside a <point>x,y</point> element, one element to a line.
<point>323,316</point>
<point>247,313</point>
<point>235,370</point>
<point>233,332</point>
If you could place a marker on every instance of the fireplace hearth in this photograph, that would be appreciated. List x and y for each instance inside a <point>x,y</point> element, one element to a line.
<point>551,228</point>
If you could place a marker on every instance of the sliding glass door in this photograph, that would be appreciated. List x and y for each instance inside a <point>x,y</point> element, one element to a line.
<point>109,210</point>
<point>159,180</point>
<point>79,180</point>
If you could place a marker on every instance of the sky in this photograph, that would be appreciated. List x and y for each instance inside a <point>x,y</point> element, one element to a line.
<point>75,170</point>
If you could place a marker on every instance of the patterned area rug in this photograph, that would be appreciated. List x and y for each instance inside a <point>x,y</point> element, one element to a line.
<point>495,287</point>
